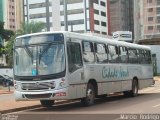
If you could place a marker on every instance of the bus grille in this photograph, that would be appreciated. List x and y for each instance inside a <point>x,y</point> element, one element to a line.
<point>38,86</point>
<point>29,96</point>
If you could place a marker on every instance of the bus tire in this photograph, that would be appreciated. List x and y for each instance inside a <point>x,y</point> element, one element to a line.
<point>134,91</point>
<point>47,103</point>
<point>90,95</point>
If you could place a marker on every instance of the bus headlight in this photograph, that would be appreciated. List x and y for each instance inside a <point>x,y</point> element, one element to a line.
<point>17,86</point>
<point>62,83</point>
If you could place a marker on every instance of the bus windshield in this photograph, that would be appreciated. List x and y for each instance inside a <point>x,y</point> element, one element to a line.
<point>44,58</point>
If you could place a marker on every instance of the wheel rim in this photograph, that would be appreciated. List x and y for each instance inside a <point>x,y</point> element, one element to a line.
<point>135,88</point>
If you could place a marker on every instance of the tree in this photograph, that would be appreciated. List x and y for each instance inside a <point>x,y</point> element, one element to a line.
<point>26,28</point>
<point>5,34</point>
<point>32,27</point>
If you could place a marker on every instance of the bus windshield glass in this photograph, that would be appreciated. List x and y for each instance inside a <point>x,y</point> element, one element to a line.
<point>39,55</point>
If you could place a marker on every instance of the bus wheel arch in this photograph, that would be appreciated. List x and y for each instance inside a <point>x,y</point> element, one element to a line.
<point>91,93</point>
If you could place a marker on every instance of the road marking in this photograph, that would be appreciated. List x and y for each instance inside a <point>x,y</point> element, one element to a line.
<point>156,105</point>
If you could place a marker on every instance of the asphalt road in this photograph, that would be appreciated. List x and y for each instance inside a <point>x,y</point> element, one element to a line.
<point>142,107</point>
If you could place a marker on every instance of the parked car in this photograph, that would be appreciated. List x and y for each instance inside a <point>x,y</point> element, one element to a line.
<point>5,80</point>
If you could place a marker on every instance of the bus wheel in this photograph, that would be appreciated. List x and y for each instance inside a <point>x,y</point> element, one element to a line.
<point>134,91</point>
<point>90,95</point>
<point>47,103</point>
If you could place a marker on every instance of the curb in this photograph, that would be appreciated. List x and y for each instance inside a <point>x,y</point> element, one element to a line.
<point>30,107</point>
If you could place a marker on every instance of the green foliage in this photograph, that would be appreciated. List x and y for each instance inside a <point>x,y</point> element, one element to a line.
<point>5,34</point>
<point>32,27</point>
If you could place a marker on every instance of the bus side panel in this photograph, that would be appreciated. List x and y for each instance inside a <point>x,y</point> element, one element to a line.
<point>111,87</point>
<point>127,85</point>
<point>147,76</point>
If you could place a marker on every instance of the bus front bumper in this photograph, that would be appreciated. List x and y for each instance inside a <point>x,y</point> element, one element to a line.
<point>61,94</point>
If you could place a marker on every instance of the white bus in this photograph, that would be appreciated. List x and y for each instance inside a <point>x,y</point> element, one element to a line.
<point>63,65</point>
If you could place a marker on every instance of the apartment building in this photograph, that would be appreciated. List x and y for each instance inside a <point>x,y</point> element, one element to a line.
<point>151,19</point>
<point>147,27</point>
<point>121,15</point>
<point>81,15</point>
<point>10,13</point>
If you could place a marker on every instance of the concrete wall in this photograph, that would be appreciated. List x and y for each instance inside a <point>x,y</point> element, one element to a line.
<point>156,50</point>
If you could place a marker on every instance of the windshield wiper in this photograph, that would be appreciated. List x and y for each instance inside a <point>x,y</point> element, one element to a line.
<point>45,50</point>
<point>28,52</point>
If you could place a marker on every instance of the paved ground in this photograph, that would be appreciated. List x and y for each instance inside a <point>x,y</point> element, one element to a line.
<point>8,103</point>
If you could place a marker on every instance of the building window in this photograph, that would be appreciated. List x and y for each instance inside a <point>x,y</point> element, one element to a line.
<point>104,33</point>
<point>158,10</point>
<point>103,14</point>
<point>150,10</point>
<point>150,18</point>
<point>103,3</point>
<point>158,27</point>
<point>96,31</point>
<point>40,15</point>
<point>74,22</point>
<point>149,1</point>
<point>158,19</point>
<point>96,22</point>
<point>38,5</point>
<point>158,2</point>
<point>71,12</point>
<point>96,1</point>
<point>150,27</point>
<point>96,11</point>
<point>103,24</point>
<point>70,1</point>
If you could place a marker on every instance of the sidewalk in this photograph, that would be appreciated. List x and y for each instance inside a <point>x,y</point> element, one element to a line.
<point>10,105</point>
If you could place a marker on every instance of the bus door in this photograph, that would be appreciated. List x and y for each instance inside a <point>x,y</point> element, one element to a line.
<point>76,70</point>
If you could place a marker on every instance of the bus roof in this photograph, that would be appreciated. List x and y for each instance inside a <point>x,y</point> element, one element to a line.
<point>91,38</point>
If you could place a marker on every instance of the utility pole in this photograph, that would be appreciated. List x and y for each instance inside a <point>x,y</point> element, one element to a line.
<point>65,16</point>
<point>47,15</point>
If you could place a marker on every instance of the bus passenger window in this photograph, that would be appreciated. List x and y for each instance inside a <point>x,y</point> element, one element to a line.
<point>132,55</point>
<point>141,57</point>
<point>123,55</point>
<point>147,57</point>
<point>101,54</point>
<point>88,52</point>
<point>113,54</point>
<point>74,56</point>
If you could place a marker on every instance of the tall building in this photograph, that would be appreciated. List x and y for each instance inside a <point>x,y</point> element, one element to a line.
<point>150,19</point>
<point>18,14</point>
<point>121,15</point>
<point>147,27</point>
<point>147,21</point>
<point>81,15</point>
<point>9,10</point>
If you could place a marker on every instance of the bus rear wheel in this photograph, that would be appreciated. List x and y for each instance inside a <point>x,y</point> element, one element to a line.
<point>47,103</point>
<point>134,91</point>
<point>90,95</point>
